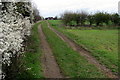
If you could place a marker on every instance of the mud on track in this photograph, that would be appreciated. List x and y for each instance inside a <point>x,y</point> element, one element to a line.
<point>84,53</point>
<point>51,68</point>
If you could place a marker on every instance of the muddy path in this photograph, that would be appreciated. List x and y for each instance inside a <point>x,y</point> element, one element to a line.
<point>84,53</point>
<point>50,66</point>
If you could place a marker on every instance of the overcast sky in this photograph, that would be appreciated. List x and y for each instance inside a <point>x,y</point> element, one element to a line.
<point>57,7</point>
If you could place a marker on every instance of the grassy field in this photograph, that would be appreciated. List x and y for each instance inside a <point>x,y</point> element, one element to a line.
<point>103,44</point>
<point>70,62</point>
<point>31,60</point>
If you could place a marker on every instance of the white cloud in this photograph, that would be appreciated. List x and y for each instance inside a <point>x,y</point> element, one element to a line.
<point>56,7</point>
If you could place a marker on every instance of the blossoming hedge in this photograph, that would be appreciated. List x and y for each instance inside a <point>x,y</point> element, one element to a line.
<point>14,27</point>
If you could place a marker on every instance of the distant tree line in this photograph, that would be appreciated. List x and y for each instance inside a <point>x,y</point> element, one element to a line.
<point>36,15</point>
<point>52,18</point>
<point>84,19</point>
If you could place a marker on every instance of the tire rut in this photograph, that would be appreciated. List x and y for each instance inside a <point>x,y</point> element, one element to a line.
<point>50,66</point>
<point>84,53</point>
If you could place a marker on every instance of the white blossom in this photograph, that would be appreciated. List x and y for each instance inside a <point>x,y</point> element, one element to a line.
<point>13,28</point>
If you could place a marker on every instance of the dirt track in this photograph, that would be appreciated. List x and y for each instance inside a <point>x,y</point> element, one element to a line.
<point>51,68</point>
<point>84,53</point>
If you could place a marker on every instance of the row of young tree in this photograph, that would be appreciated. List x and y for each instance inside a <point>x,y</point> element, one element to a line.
<point>97,19</point>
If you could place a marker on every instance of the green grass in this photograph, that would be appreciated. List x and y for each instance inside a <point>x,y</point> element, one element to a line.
<point>32,64</point>
<point>103,44</point>
<point>70,62</point>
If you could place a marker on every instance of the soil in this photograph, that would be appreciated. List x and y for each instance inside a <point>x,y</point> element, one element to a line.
<point>50,66</point>
<point>85,53</point>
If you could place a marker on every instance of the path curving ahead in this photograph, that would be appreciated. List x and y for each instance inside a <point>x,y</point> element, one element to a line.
<point>50,66</point>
